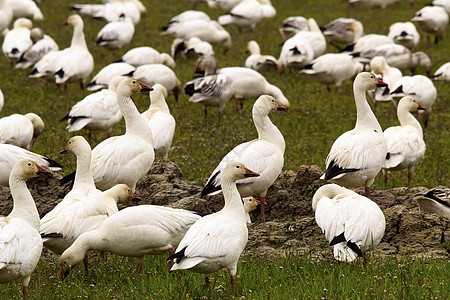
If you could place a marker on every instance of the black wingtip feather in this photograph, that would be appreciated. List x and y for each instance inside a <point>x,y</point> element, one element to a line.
<point>52,235</point>
<point>178,256</point>
<point>53,163</point>
<point>338,239</point>
<point>334,170</point>
<point>355,248</point>
<point>68,179</point>
<point>210,187</point>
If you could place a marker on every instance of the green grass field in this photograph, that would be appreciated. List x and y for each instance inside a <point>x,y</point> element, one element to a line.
<point>315,120</point>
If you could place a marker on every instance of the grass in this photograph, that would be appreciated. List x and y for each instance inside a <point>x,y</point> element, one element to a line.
<point>315,120</point>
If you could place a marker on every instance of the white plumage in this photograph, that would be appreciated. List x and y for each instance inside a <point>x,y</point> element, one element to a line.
<point>388,74</point>
<point>116,34</point>
<point>353,224</point>
<point>6,16</point>
<point>112,10</point>
<point>435,201</point>
<point>147,55</point>
<point>344,31</point>
<point>248,13</point>
<point>259,62</point>
<point>25,9</point>
<point>102,79</point>
<point>381,3</point>
<point>17,40</point>
<point>443,73</point>
<point>43,44</point>
<point>404,33</point>
<point>192,47</point>
<point>21,130</point>
<point>432,20</point>
<point>296,53</point>
<point>292,25</point>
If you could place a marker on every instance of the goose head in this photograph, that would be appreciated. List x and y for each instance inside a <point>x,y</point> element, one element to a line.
<point>38,124</point>
<point>266,104</point>
<point>76,145</point>
<point>378,64</point>
<point>368,81</point>
<point>23,23</point>
<point>36,34</point>
<point>25,169</point>
<point>250,204</point>
<point>409,103</point>
<point>253,47</point>
<point>122,193</point>
<point>159,92</point>
<point>236,171</point>
<point>329,190</point>
<point>73,20</point>
<point>70,258</point>
<point>206,63</point>
<point>130,86</point>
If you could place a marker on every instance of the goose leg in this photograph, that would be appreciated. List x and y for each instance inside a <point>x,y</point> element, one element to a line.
<point>207,282</point>
<point>139,267</point>
<point>170,263</point>
<point>367,190</point>
<point>409,178</point>
<point>86,269</point>
<point>385,176</point>
<point>233,284</point>
<point>25,292</point>
<point>262,201</point>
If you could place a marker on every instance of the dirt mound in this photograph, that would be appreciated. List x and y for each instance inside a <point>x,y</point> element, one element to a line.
<point>290,225</point>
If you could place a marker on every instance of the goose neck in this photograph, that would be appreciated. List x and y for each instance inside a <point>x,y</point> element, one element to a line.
<point>83,175</point>
<point>78,36</point>
<point>267,130</point>
<point>365,118</point>
<point>233,201</point>
<point>406,118</point>
<point>24,206</point>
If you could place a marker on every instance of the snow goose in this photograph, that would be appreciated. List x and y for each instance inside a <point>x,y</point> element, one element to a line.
<point>216,241</point>
<point>151,74</point>
<point>74,63</point>
<point>381,3</point>
<point>265,155</point>
<point>190,48</point>
<point>85,207</point>
<point>368,42</point>
<point>6,16</point>
<point>248,13</point>
<point>421,88</point>
<point>357,155</point>
<point>42,44</point>
<point>98,111</point>
<point>443,3</point>
<point>333,68</point>
<point>161,122</point>
<point>432,20</point>
<point>21,130</point>
<point>134,232</point>
<point>116,34</point>
<point>443,73</point>
<point>250,204</point>
<point>388,74</point>
<point>296,53</point>
<point>25,9</point>
<point>344,31</point>
<point>315,38</point>
<point>17,40</point>
<point>111,11</point>
<point>146,55</point>
<point>353,224</point>
<point>404,33</point>
<point>292,25</point>
<point>186,16</point>
<point>405,145</point>
<point>10,154</point>
<point>125,158</point>
<point>21,244</point>
<point>435,201</point>
<point>226,5</point>
<point>102,79</point>
<point>259,62</point>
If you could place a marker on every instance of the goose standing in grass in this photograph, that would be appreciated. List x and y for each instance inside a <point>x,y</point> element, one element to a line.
<point>6,16</point>
<point>432,20</point>
<point>216,241</point>
<point>343,31</point>
<point>265,155</point>
<point>116,34</point>
<point>435,201</point>
<point>404,33</point>
<point>17,40</point>
<point>21,130</point>
<point>128,157</point>
<point>248,13</point>
<point>21,243</point>
<point>260,62</point>
<point>146,55</point>
<point>388,74</point>
<point>102,79</point>
<point>443,73</point>
<point>161,122</point>
<point>134,232</point>
<point>190,48</point>
<point>357,155</point>
<point>405,145</point>
<point>292,25</point>
<point>97,111</point>
<point>25,9</point>
<point>42,44</point>
<point>353,224</point>
<point>10,154</point>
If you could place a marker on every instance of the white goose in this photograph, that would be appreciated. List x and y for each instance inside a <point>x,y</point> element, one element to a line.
<point>432,20</point>
<point>216,241</point>
<point>357,156</point>
<point>405,144</point>
<point>112,10</point>
<point>368,42</point>
<point>25,9</point>
<point>296,52</point>
<point>388,74</point>
<point>226,5</point>
<point>186,16</point>
<point>73,63</point>
<point>353,224</point>
<point>435,201</point>
<point>10,154</point>
<point>134,232</point>
<point>21,244</point>
<point>250,204</point>
<point>6,16</point>
<point>98,111</point>
<point>17,40</point>
<point>21,130</point>
<point>147,55</point>
<point>381,3</point>
<point>192,47</point>
<point>344,31</point>
<point>443,73</point>
<point>125,158</point>
<point>248,13</point>
<point>265,155</point>
<point>114,35</point>
<point>292,25</point>
<point>404,33</point>
<point>259,62</point>
<point>315,38</point>
<point>84,208</point>
<point>42,44</point>
<point>161,122</point>
<point>102,79</point>
<point>443,3</point>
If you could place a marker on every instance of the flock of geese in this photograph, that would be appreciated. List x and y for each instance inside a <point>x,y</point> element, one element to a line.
<point>88,218</point>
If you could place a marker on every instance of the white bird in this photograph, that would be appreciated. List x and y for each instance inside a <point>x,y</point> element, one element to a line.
<point>315,38</point>
<point>357,155</point>
<point>443,3</point>
<point>151,74</point>
<point>292,25</point>
<point>161,122</point>
<point>265,155</point>
<point>259,62</point>
<point>112,10</point>
<point>10,154</point>
<point>73,63</point>
<point>388,74</point>
<point>432,20</point>
<point>147,55</point>
<point>333,68</point>
<point>443,73</point>
<point>405,145</point>
<point>102,79</point>
<point>353,224</point>
<point>21,130</point>
<point>25,9</point>
<point>421,88</point>
<point>250,204</point>
<point>114,35</point>
<point>216,241</point>
<point>381,3</point>
<point>186,16</point>
<point>17,40</point>
<point>192,47</point>
<point>404,33</point>
<point>134,232</point>
<point>344,31</point>
<point>226,5</point>
<point>6,16</point>
<point>296,52</point>
<point>97,111</point>
<point>435,201</point>
<point>20,241</point>
<point>128,157</point>
<point>368,42</point>
<point>42,44</point>
<point>248,13</point>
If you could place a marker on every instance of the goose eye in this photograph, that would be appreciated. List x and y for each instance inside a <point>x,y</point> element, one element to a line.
<point>371,76</point>
<point>29,164</point>
<point>133,82</point>
<point>237,167</point>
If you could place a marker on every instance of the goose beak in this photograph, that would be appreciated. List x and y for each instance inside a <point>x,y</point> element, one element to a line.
<point>64,151</point>
<point>145,88</point>
<point>258,202</point>
<point>63,273</point>
<point>420,107</point>
<point>250,173</point>
<point>381,83</point>
<point>135,198</point>
<point>42,170</point>
<point>281,107</point>
<point>65,23</point>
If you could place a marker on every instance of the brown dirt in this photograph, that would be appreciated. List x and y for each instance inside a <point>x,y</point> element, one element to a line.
<point>290,226</point>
